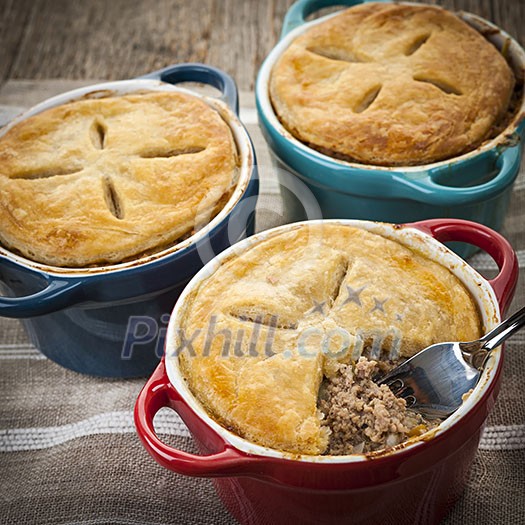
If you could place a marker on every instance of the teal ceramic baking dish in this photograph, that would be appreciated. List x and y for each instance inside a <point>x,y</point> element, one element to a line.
<point>475,186</point>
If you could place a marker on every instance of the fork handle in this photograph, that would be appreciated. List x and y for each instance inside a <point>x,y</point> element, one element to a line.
<point>504,330</point>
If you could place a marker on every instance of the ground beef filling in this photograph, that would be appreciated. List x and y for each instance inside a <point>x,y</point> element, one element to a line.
<point>363,416</point>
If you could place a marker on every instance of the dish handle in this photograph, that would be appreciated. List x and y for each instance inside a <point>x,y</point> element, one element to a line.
<point>158,393</point>
<point>300,10</point>
<point>445,230</point>
<point>57,293</point>
<point>429,190</point>
<point>202,73</point>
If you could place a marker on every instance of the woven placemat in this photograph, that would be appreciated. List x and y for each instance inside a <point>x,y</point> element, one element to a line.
<point>68,448</point>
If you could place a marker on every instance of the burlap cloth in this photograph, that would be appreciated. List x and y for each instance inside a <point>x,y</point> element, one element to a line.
<point>68,448</point>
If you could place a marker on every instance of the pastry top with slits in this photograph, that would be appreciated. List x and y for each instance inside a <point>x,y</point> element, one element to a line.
<point>388,84</point>
<point>263,330</point>
<point>100,181</point>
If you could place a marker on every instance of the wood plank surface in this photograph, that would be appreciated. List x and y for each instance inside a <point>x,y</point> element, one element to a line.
<point>101,39</point>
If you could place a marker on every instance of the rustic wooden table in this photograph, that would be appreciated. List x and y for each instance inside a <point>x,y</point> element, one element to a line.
<point>100,39</point>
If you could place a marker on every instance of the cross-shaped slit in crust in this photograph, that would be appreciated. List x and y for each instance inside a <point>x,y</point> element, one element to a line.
<point>345,55</point>
<point>369,343</point>
<point>97,132</point>
<point>258,315</point>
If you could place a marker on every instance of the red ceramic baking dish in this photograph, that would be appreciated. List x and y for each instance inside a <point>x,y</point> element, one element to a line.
<point>415,482</point>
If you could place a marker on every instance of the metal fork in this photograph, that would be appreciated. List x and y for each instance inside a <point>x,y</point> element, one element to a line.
<point>435,381</point>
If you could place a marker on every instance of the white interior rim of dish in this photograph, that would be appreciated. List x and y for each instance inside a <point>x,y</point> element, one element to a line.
<point>263,96</point>
<point>128,87</point>
<point>480,289</point>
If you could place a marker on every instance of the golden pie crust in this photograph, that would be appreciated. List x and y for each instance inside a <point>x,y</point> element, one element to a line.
<point>270,323</point>
<point>100,181</point>
<point>390,84</point>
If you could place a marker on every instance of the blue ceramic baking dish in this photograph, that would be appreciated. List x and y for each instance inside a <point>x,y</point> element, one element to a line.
<point>110,321</point>
<point>475,186</point>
